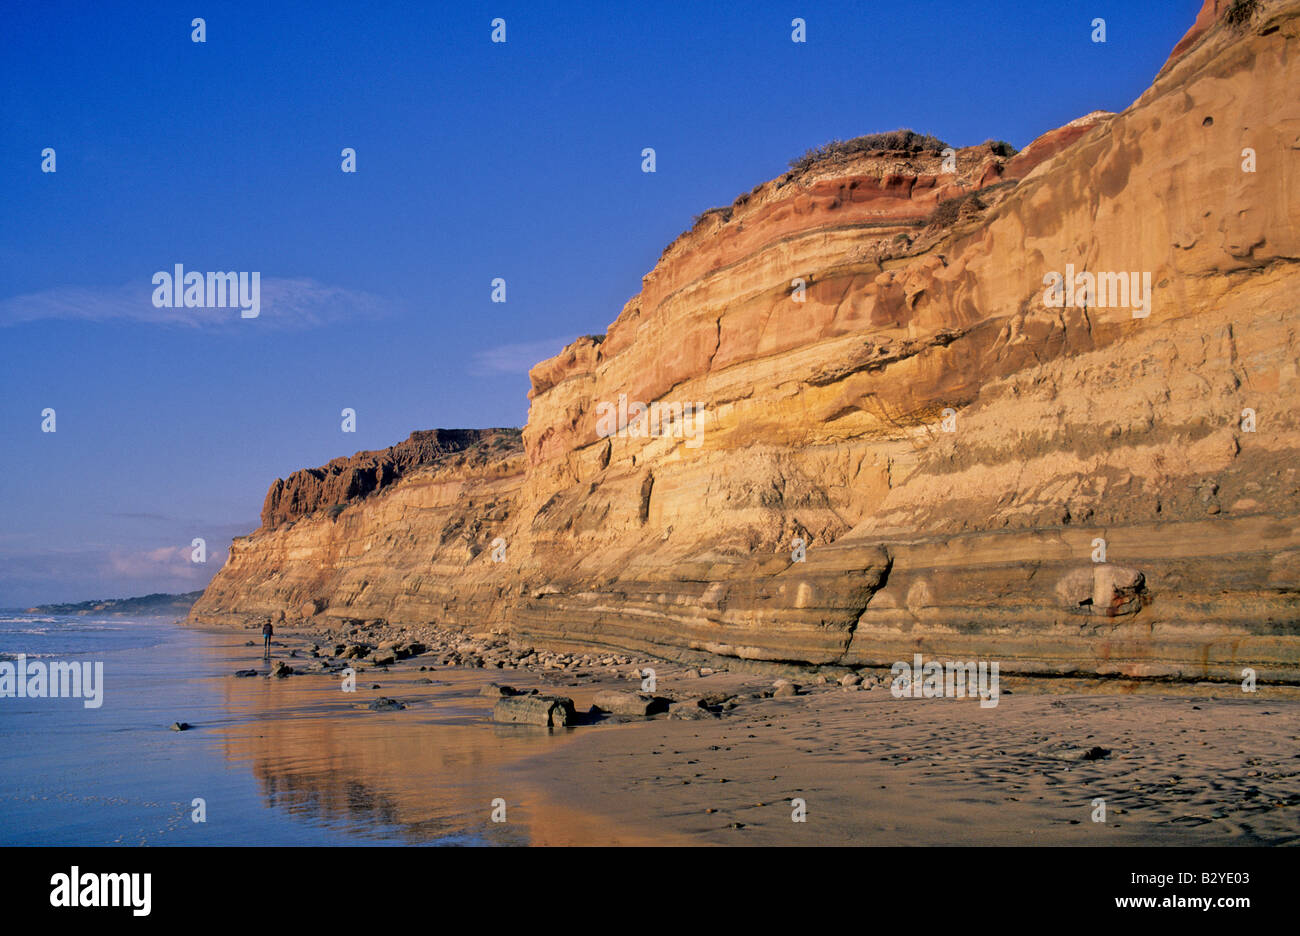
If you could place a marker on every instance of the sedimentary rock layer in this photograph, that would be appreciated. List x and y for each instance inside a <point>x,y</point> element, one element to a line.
<point>902,446</point>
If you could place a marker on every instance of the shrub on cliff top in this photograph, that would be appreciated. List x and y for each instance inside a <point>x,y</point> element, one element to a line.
<point>947,212</point>
<point>895,141</point>
<point>725,212</point>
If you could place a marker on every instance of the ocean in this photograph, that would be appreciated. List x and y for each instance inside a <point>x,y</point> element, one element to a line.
<point>267,761</point>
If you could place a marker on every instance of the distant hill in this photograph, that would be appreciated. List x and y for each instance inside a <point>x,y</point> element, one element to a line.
<point>148,604</point>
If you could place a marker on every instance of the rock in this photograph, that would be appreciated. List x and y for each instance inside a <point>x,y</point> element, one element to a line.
<point>691,674</point>
<point>629,703</point>
<point>310,609</point>
<point>383,658</point>
<point>245,672</point>
<point>689,710</point>
<point>852,679</point>
<point>1102,589</point>
<point>180,726</point>
<point>281,669</point>
<point>545,710</point>
<point>494,690</point>
<point>385,704</point>
<point>785,690</point>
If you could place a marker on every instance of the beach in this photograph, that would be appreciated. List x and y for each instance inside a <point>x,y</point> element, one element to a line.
<point>296,760</point>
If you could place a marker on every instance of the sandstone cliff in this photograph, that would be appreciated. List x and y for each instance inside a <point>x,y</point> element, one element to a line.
<point>882,379</point>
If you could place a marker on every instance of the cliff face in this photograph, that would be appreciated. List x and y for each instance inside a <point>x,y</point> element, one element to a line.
<point>889,385</point>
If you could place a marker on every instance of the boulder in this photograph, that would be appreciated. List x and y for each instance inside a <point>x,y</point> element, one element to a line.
<point>689,710</point>
<point>1102,589</point>
<point>281,669</point>
<point>629,703</point>
<point>546,710</point>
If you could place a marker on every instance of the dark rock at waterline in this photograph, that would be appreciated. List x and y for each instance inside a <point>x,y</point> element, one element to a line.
<point>386,705</point>
<point>181,726</point>
<point>545,710</point>
<point>245,672</point>
<point>281,669</point>
<point>497,691</point>
<point>689,710</point>
<point>629,703</point>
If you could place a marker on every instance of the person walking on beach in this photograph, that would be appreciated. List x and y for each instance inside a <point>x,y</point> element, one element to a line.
<point>266,638</point>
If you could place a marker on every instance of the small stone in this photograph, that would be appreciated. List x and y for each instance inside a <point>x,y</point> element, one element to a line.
<point>496,691</point>
<point>852,679</point>
<point>245,672</point>
<point>180,726</point>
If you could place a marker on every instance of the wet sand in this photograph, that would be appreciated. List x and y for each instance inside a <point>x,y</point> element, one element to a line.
<point>1182,764</point>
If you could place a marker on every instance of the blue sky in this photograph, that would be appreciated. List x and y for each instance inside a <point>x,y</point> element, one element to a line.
<point>475,160</point>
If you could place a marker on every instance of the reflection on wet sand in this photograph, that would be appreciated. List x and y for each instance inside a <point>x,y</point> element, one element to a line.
<point>428,774</point>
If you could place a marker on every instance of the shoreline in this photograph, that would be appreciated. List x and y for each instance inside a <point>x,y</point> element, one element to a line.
<point>1182,763</point>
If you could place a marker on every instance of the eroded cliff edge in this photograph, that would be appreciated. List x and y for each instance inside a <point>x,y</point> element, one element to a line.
<point>823,420</point>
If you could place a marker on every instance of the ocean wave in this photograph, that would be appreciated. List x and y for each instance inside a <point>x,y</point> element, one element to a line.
<point>58,629</point>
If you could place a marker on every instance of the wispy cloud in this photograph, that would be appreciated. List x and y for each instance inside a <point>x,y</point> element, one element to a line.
<point>288,303</point>
<point>515,358</point>
<point>76,574</point>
